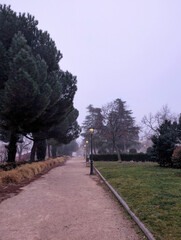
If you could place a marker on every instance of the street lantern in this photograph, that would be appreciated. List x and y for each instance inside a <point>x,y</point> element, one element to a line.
<point>91,130</point>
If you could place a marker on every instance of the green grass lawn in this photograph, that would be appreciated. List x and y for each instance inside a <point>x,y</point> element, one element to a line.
<point>153,194</point>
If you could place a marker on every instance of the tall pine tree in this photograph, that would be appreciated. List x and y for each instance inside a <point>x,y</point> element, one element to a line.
<point>21,91</point>
<point>35,93</point>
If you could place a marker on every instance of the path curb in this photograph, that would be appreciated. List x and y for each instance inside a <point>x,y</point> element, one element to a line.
<point>126,207</point>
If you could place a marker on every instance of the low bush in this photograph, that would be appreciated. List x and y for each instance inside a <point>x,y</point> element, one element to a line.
<point>9,166</point>
<point>11,176</point>
<point>13,165</point>
<point>27,171</point>
<point>137,157</point>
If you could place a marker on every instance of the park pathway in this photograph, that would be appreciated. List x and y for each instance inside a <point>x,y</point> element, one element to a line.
<point>65,204</point>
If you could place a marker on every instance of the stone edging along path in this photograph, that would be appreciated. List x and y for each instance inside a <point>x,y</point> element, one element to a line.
<point>126,207</point>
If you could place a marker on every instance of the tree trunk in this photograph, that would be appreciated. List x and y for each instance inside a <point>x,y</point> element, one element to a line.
<point>113,148</point>
<point>33,151</point>
<point>113,145</point>
<point>119,155</point>
<point>54,151</point>
<point>49,154</point>
<point>41,149</point>
<point>20,154</point>
<point>125,150</point>
<point>12,147</point>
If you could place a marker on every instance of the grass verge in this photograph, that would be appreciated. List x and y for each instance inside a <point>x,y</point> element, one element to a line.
<point>27,171</point>
<point>152,193</point>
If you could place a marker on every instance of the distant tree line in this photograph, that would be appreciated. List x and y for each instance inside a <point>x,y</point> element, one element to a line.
<point>36,96</point>
<point>115,128</point>
<point>117,132</point>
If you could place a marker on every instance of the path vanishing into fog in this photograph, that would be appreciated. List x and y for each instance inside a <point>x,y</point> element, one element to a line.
<point>65,204</point>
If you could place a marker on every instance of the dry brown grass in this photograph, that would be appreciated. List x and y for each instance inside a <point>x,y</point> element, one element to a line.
<point>27,171</point>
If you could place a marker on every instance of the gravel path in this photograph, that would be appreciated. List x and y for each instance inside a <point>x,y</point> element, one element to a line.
<point>65,204</point>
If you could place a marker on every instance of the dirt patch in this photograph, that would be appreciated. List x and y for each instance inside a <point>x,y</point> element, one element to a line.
<point>11,190</point>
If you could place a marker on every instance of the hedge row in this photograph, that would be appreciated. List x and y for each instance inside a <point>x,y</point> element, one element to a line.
<point>137,157</point>
<point>13,165</point>
<point>27,171</point>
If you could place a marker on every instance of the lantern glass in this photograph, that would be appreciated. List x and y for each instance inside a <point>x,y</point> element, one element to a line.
<point>91,130</point>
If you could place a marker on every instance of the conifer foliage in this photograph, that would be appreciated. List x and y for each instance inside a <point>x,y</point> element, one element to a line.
<point>165,142</point>
<point>35,94</point>
<point>21,92</point>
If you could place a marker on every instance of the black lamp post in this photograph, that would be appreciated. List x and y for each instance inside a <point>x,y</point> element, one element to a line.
<point>91,130</point>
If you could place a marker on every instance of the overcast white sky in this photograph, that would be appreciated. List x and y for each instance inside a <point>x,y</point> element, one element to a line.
<point>128,49</point>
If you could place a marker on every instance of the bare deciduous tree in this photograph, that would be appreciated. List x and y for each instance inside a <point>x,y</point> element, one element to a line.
<point>23,146</point>
<point>152,122</point>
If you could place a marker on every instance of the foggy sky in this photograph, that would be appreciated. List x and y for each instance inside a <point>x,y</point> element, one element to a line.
<point>117,49</point>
